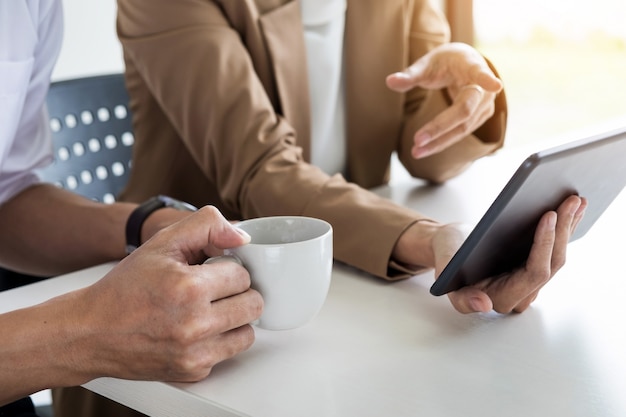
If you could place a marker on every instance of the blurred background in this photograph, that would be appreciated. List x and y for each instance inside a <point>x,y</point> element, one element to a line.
<point>90,45</point>
<point>563,63</point>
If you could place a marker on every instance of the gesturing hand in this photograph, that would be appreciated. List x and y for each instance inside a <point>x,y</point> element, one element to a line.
<point>469,82</point>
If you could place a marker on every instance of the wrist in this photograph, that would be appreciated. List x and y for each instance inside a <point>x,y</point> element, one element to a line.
<point>135,233</point>
<point>415,244</point>
<point>161,219</point>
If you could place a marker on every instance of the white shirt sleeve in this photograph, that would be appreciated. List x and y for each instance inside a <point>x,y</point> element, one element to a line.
<point>31,34</point>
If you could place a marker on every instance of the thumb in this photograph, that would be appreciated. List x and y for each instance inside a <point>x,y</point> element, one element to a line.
<point>203,233</point>
<point>407,79</point>
<point>470,300</point>
<point>488,81</point>
<point>226,235</point>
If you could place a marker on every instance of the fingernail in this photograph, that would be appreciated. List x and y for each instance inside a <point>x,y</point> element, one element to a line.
<point>422,139</point>
<point>416,153</point>
<point>420,152</point>
<point>243,233</point>
<point>402,75</point>
<point>476,304</point>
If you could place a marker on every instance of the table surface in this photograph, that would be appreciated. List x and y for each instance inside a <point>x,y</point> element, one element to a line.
<point>392,349</point>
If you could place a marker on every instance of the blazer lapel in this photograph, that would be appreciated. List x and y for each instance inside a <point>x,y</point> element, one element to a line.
<point>283,32</point>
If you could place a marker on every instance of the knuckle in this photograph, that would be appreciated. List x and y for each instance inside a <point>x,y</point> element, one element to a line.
<point>186,289</point>
<point>193,366</point>
<point>520,308</point>
<point>189,331</point>
<point>539,275</point>
<point>257,304</point>
<point>466,128</point>
<point>504,308</point>
<point>210,212</point>
<point>491,109</point>
<point>544,275</point>
<point>188,363</point>
<point>234,342</point>
<point>247,337</point>
<point>558,262</point>
<point>435,128</point>
<point>466,108</point>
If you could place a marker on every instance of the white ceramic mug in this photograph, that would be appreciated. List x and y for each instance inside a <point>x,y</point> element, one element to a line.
<point>290,262</point>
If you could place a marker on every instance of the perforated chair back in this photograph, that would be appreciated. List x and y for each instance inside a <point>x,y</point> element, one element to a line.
<point>92,139</point>
<point>92,136</point>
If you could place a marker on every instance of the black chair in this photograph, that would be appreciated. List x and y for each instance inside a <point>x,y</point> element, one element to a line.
<point>92,138</point>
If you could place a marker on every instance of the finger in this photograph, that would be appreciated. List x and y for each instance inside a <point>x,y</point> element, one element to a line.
<point>538,264</point>
<point>449,138</point>
<point>196,362</point>
<point>471,104</point>
<point>450,126</point>
<point>411,77</point>
<point>400,82</point>
<point>523,306</point>
<point>470,300</point>
<point>417,76</point>
<point>507,293</point>
<point>212,318</point>
<point>444,66</point>
<point>460,112</point>
<point>580,213</point>
<point>232,312</point>
<point>195,237</point>
<point>486,79</point>
<point>566,215</point>
<point>223,279</point>
<point>233,341</point>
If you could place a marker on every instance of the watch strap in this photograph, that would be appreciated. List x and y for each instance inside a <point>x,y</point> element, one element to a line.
<point>140,214</point>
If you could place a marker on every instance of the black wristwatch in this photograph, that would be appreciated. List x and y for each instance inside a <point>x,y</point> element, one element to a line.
<point>141,213</point>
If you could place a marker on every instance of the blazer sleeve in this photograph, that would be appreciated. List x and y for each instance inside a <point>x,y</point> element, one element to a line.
<point>201,74</point>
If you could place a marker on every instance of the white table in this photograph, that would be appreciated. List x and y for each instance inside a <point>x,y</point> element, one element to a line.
<point>391,349</point>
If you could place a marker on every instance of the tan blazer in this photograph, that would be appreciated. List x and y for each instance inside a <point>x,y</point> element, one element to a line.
<point>221,114</point>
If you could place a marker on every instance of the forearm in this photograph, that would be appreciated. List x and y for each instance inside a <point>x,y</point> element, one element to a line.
<point>39,350</point>
<point>47,231</point>
<point>414,248</point>
<point>128,323</point>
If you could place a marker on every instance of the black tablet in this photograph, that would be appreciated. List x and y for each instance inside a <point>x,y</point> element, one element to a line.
<point>594,168</point>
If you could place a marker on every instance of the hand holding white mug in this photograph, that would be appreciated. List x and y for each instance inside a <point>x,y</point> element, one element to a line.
<point>158,315</point>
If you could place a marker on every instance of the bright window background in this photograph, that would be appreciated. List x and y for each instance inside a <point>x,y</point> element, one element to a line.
<point>563,63</point>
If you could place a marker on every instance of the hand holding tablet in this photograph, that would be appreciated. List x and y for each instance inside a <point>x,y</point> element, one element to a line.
<point>515,290</point>
<point>501,242</point>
